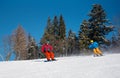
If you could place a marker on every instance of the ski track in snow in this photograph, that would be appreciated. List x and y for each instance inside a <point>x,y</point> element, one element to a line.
<point>107,66</point>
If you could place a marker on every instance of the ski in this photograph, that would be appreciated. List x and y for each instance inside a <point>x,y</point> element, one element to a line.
<point>50,60</point>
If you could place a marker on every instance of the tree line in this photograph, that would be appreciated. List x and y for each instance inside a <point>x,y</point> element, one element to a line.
<point>95,28</point>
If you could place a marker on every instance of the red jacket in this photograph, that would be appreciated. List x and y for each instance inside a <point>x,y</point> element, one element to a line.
<point>46,48</point>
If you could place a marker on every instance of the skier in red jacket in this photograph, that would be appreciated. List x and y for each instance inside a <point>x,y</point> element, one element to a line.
<point>47,50</point>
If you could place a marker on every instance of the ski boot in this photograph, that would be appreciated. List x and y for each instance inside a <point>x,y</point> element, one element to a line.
<point>95,55</point>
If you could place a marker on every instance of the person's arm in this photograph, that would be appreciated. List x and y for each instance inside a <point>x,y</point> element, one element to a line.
<point>42,48</point>
<point>90,46</point>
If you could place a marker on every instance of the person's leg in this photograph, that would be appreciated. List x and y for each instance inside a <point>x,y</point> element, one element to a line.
<point>99,51</point>
<point>47,54</point>
<point>95,52</point>
<point>52,55</point>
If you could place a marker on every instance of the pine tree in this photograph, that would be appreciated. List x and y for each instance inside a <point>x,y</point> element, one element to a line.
<point>56,27</point>
<point>116,39</point>
<point>49,27</point>
<point>32,48</point>
<point>71,42</point>
<point>119,36</point>
<point>62,37</point>
<point>84,35</point>
<point>98,28</point>
<point>20,43</point>
<point>48,33</point>
<point>62,28</point>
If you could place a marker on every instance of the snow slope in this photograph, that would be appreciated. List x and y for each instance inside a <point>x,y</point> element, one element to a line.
<point>107,66</point>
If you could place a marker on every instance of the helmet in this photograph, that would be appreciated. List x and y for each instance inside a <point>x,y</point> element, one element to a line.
<point>91,41</point>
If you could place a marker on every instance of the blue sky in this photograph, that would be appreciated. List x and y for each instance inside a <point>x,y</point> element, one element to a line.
<point>33,14</point>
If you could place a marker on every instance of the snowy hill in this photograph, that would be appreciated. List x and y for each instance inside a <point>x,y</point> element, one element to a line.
<point>107,66</point>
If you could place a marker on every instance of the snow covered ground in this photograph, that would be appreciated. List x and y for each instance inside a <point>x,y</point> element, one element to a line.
<point>107,66</point>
